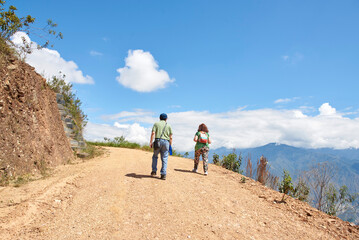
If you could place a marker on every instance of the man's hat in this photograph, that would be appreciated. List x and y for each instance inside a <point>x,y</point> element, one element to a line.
<point>163,116</point>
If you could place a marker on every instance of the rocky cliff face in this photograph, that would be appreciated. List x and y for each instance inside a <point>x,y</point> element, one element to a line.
<point>31,131</point>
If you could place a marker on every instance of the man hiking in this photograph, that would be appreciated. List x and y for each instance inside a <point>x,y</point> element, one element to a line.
<point>162,133</point>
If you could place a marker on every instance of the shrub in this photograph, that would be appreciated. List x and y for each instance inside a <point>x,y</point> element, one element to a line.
<point>72,103</point>
<point>286,184</point>
<point>216,159</point>
<point>301,190</point>
<point>232,162</point>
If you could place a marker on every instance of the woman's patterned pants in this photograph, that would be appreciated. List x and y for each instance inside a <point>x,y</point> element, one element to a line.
<point>204,152</point>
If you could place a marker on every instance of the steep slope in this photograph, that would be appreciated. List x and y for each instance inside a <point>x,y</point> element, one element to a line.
<point>113,197</point>
<point>32,136</point>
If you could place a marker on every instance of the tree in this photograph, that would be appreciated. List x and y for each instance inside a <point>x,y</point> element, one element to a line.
<point>10,23</point>
<point>286,185</point>
<point>186,154</point>
<point>301,190</point>
<point>337,202</point>
<point>318,178</point>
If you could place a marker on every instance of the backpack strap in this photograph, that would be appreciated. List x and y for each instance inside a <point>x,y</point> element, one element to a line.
<point>163,130</point>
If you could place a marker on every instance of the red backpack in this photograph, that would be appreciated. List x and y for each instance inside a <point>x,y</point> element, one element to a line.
<point>203,137</point>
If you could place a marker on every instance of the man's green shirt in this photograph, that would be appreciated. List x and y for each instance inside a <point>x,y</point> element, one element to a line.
<point>158,128</point>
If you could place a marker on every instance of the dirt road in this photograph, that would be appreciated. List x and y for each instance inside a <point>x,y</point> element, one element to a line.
<point>113,197</point>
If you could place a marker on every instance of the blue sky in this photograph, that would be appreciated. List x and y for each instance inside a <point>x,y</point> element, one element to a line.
<point>254,71</point>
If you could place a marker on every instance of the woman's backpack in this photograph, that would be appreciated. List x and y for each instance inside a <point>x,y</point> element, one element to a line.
<point>203,137</point>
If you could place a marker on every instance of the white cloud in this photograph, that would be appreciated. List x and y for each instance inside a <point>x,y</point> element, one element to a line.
<point>132,132</point>
<point>49,62</point>
<point>250,128</point>
<point>141,73</point>
<point>327,110</point>
<point>285,100</point>
<point>95,53</point>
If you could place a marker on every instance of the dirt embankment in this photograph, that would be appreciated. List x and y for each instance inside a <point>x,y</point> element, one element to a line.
<point>114,197</point>
<point>31,132</point>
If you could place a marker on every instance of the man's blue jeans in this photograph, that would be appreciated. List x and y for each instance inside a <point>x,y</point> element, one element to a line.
<point>163,150</point>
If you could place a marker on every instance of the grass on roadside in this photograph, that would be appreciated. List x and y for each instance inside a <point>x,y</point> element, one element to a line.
<point>121,142</point>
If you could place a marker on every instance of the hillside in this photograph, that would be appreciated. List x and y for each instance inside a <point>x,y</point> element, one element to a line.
<point>296,160</point>
<point>113,197</point>
<point>32,135</point>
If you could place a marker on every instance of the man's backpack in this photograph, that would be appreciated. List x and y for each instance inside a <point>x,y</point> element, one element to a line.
<point>203,137</point>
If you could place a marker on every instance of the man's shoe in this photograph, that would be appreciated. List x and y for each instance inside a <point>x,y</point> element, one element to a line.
<point>163,177</point>
<point>153,173</point>
<point>194,170</point>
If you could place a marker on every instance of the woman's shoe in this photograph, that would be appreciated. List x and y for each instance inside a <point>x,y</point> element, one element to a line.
<point>194,170</point>
<point>206,173</point>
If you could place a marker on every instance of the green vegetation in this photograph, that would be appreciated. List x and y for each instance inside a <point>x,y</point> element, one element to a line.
<point>336,202</point>
<point>5,50</point>
<point>21,180</point>
<point>216,159</point>
<point>10,23</point>
<point>93,151</point>
<point>123,143</point>
<point>286,185</point>
<point>301,190</point>
<point>72,103</point>
<point>231,162</point>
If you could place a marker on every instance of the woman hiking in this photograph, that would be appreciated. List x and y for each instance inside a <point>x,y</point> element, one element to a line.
<point>202,140</point>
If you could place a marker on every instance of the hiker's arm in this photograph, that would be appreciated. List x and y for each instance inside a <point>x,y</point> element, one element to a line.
<point>195,138</point>
<point>151,140</point>
<point>209,140</point>
<point>171,139</point>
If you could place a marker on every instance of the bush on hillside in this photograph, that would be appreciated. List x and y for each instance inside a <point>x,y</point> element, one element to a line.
<point>301,190</point>
<point>72,103</point>
<point>216,159</point>
<point>286,185</point>
<point>337,202</point>
<point>231,162</point>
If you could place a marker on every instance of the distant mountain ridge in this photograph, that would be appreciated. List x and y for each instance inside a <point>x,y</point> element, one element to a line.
<point>295,160</point>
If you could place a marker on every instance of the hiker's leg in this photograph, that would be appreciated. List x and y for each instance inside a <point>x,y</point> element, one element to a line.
<point>154,159</point>
<point>197,154</point>
<point>165,146</point>
<point>205,151</point>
